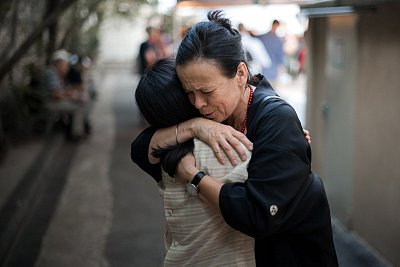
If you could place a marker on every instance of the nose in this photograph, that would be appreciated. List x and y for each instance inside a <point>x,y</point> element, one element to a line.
<point>199,101</point>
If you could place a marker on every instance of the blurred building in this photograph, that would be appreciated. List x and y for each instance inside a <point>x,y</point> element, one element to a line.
<point>353,114</point>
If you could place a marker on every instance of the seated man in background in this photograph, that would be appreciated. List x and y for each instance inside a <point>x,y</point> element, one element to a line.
<point>63,98</point>
<point>77,80</point>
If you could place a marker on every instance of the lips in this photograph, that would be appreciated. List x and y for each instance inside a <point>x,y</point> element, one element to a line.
<point>208,115</point>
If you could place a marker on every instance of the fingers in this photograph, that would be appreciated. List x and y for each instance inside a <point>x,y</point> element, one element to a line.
<point>234,146</point>
<point>239,148</point>
<point>242,138</point>
<point>186,168</point>
<point>225,150</point>
<point>230,152</point>
<point>224,140</point>
<point>307,136</point>
<point>218,153</point>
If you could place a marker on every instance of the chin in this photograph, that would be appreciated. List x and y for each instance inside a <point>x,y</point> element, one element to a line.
<point>220,120</point>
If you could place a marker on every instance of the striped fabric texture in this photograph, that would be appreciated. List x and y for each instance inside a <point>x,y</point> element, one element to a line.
<point>197,235</point>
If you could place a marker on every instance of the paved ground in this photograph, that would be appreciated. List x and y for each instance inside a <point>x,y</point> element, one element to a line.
<point>88,205</point>
<point>114,210</point>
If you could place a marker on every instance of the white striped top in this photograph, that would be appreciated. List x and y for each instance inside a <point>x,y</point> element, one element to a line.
<point>197,235</point>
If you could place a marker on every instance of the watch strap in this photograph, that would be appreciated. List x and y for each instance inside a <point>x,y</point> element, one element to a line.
<point>197,178</point>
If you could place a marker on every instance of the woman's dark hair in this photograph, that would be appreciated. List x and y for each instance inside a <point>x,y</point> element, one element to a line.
<point>162,101</point>
<point>215,40</point>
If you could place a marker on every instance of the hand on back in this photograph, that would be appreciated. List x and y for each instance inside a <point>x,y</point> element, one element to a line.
<point>222,139</point>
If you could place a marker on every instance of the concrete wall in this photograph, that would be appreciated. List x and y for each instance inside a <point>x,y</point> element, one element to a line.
<point>376,214</point>
<point>332,94</point>
<point>354,117</point>
<point>316,43</point>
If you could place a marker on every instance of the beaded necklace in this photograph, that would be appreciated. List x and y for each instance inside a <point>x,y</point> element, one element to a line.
<point>247,110</point>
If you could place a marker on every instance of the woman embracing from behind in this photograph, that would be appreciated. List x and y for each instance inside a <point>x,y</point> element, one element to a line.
<point>282,204</point>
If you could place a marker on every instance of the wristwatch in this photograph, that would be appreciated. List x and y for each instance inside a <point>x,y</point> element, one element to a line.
<point>193,186</point>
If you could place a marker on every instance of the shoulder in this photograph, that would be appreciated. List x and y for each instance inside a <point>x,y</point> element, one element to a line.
<point>49,71</point>
<point>201,148</point>
<point>274,113</point>
<point>206,161</point>
<point>50,79</point>
<point>144,45</point>
<point>268,111</point>
<point>266,100</point>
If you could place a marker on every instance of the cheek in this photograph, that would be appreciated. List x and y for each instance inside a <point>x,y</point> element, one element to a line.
<point>228,104</point>
<point>191,99</point>
<point>221,104</point>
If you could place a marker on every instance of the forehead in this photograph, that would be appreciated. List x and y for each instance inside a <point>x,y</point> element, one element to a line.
<point>200,74</point>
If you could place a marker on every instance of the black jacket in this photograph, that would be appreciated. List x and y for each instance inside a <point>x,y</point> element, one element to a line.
<point>283,203</point>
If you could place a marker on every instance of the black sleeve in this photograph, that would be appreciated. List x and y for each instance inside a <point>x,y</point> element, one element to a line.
<point>139,153</point>
<point>278,176</point>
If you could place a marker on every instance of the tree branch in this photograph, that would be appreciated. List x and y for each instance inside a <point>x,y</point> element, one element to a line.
<point>30,40</point>
<point>14,22</point>
<point>76,24</point>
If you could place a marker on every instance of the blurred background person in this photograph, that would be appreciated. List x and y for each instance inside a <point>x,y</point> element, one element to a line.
<point>302,55</point>
<point>256,53</point>
<point>151,50</point>
<point>274,46</point>
<point>64,99</point>
<point>75,78</point>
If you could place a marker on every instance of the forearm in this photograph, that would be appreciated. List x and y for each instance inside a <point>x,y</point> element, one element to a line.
<point>209,190</point>
<point>170,136</point>
<point>139,150</point>
<point>208,187</point>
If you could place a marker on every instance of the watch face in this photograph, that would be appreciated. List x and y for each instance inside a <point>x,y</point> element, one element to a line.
<point>191,189</point>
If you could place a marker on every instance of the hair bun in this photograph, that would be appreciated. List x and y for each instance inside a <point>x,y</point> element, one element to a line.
<point>217,17</point>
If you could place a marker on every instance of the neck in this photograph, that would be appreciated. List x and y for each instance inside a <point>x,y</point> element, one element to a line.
<point>239,115</point>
